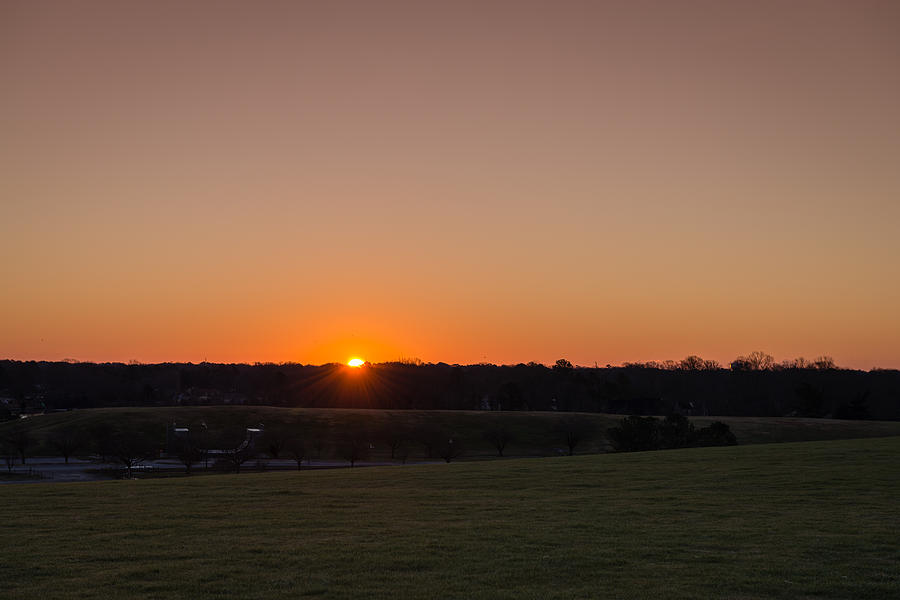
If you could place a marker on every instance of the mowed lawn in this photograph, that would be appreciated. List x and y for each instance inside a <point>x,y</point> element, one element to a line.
<point>794,520</point>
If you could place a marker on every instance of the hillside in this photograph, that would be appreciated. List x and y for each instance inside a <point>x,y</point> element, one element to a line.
<point>817,519</point>
<point>532,433</point>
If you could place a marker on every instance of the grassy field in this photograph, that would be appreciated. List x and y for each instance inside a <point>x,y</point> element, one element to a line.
<point>797,520</point>
<point>534,433</point>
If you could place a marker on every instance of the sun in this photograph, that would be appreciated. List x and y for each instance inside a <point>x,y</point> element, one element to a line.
<point>356,362</point>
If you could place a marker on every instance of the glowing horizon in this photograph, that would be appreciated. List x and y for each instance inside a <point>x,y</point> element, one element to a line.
<point>504,182</point>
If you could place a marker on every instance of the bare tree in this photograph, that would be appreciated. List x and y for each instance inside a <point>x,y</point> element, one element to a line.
<point>824,363</point>
<point>274,445</point>
<point>451,448</point>
<point>189,453</point>
<point>796,363</point>
<point>9,456</point>
<point>695,363</point>
<point>354,450</point>
<point>20,440</point>
<point>128,448</point>
<point>755,361</point>
<point>432,439</point>
<point>67,442</point>
<point>574,430</point>
<point>394,435</point>
<point>498,436</point>
<point>298,451</point>
<point>239,450</point>
<point>236,457</point>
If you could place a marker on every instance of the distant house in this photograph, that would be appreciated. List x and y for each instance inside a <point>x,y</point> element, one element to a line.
<point>683,407</point>
<point>176,435</point>
<point>196,396</point>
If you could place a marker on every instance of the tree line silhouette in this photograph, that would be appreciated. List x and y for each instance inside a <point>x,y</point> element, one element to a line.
<point>752,385</point>
<point>396,440</point>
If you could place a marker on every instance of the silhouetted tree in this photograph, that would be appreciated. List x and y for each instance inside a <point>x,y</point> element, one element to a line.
<point>451,448</point>
<point>796,363</point>
<point>431,439</point>
<point>66,441</point>
<point>676,431</point>
<point>402,453</point>
<point>695,363</point>
<point>756,387</point>
<point>393,434</point>
<point>128,448</point>
<point>566,385</point>
<point>574,430</point>
<point>755,361</point>
<point>238,449</point>
<point>635,434</point>
<point>189,453</point>
<point>354,450</point>
<point>20,440</point>
<point>9,456</point>
<point>824,363</point>
<point>691,363</point>
<point>274,444</point>
<point>498,435</point>
<point>562,365</point>
<point>234,458</point>
<point>298,451</point>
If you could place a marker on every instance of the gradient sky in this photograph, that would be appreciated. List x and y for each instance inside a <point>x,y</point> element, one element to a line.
<point>454,181</point>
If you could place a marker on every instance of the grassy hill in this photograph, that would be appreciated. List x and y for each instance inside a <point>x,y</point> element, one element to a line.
<point>533,433</point>
<point>801,520</point>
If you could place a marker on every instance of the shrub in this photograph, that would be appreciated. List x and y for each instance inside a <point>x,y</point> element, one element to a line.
<point>676,431</point>
<point>717,434</point>
<point>635,434</point>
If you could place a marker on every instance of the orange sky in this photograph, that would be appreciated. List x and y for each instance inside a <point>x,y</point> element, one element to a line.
<point>455,181</point>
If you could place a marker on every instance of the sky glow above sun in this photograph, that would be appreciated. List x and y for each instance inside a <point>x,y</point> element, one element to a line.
<point>502,181</point>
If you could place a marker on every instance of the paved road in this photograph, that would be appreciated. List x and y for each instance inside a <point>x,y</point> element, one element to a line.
<point>54,469</point>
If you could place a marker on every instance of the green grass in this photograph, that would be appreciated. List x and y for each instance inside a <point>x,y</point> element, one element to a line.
<point>801,520</point>
<point>534,433</point>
